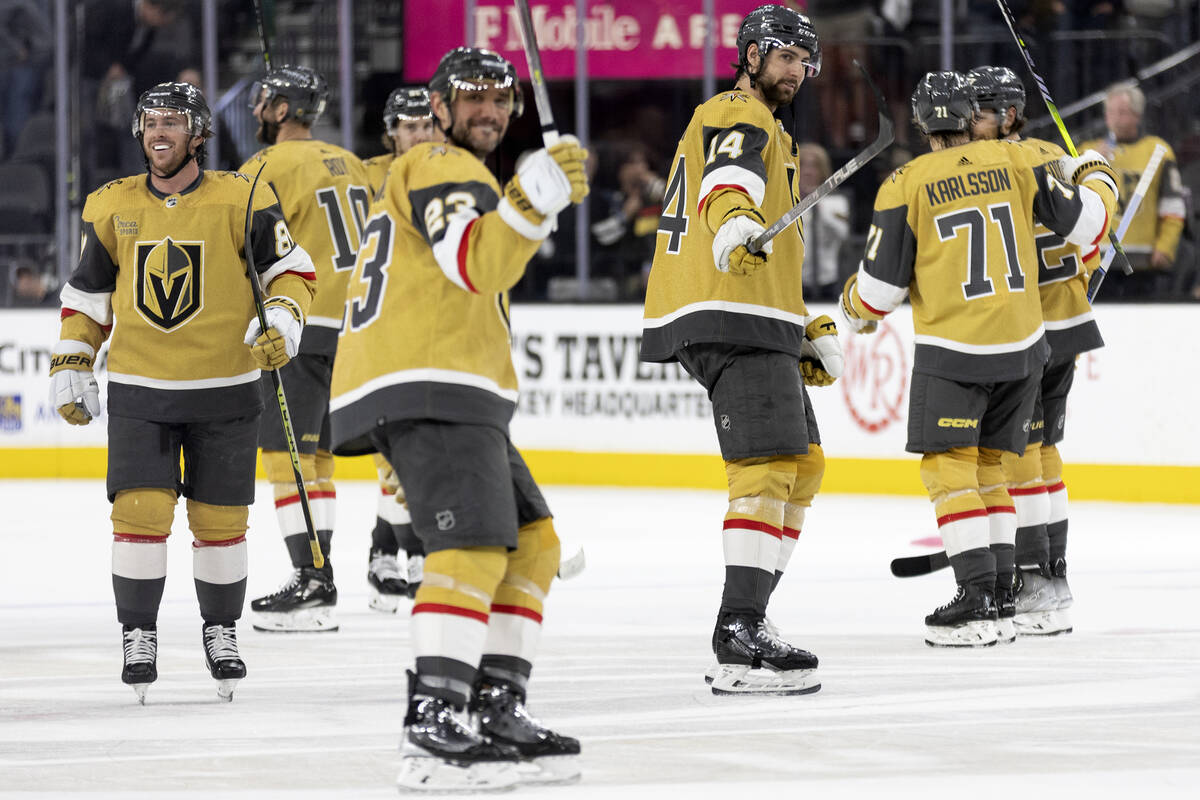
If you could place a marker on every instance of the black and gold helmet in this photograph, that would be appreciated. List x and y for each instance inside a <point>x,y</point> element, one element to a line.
<point>473,69</point>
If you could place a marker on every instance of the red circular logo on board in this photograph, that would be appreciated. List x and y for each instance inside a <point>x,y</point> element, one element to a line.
<point>875,382</point>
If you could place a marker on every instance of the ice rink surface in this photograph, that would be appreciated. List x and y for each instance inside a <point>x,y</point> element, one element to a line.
<point>1110,710</point>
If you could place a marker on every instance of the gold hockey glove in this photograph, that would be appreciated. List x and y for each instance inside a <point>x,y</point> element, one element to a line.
<point>73,389</point>
<point>280,342</point>
<point>821,360</point>
<point>850,305</point>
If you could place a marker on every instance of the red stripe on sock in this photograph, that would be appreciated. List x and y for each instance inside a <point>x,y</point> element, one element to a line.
<point>791,533</point>
<point>948,518</point>
<point>1028,491</point>
<point>1001,510</point>
<point>754,525</point>
<point>1058,487</point>
<point>520,611</point>
<point>331,495</point>
<point>225,543</point>
<point>138,538</point>
<point>442,608</point>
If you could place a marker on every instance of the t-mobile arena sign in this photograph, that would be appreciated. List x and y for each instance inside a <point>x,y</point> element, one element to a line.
<point>624,38</point>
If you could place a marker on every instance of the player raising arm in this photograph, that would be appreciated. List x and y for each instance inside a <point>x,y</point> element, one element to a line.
<point>952,230</point>
<point>424,375</point>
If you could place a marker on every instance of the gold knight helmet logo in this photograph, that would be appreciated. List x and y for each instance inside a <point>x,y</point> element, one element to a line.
<point>168,281</point>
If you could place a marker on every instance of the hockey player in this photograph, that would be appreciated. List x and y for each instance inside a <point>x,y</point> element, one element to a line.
<point>324,193</point>
<point>949,231</point>
<point>408,120</point>
<point>1038,492</point>
<point>424,374</point>
<point>737,322</point>
<point>162,269</point>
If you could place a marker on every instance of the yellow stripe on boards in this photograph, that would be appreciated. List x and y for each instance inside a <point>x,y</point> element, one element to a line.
<point>898,476</point>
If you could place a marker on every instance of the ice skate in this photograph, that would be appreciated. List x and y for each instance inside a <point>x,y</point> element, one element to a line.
<point>387,583</point>
<point>550,757</point>
<point>416,573</point>
<point>1058,572</point>
<point>711,672</point>
<point>140,647</point>
<point>969,620</point>
<point>752,660</point>
<point>440,752</point>
<point>1006,609</point>
<point>304,604</point>
<point>1037,604</point>
<point>222,658</point>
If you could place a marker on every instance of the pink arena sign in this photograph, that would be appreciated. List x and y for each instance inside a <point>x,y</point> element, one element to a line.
<point>624,38</point>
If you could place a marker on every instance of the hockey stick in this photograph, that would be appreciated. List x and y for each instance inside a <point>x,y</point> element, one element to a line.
<point>262,33</point>
<point>288,432</point>
<point>912,566</point>
<point>570,567</point>
<point>885,137</point>
<point>541,96</point>
<point>1126,267</point>
<point>1131,209</point>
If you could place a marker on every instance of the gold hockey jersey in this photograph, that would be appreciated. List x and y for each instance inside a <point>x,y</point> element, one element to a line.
<point>732,142</point>
<point>377,168</point>
<point>1159,220</point>
<point>325,193</point>
<point>167,274</point>
<point>1063,273</point>
<point>427,334</point>
<point>953,229</point>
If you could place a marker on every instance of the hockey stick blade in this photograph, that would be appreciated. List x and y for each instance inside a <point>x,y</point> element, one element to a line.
<point>886,135</point>
<point>570,567</point>
<point>912,566</point>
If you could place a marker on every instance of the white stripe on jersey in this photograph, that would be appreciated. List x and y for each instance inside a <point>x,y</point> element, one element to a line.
<point>981,349</point>
<point>202,383</point>
<point>1091,220</point>
<point>97,305</point>
<point>427,374</point>
<point>734,176</point>
<point>1072,322</point>
<point>727,306</point>
<point>879,294</point>
<point>1172,207</point>
<point>296,260</point>
<point>445,252</point>
<point>325,322</point>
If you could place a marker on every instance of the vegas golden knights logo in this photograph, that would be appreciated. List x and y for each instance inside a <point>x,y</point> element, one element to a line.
<point>169,281</point>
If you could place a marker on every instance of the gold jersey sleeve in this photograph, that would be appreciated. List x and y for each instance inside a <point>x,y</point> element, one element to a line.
<point>324,192</point>
<point>731,144</point>
<point>167,273</point>
<point>427,333</point>
<point>1158,223</point>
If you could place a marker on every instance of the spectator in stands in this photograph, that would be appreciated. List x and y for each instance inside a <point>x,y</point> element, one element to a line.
<point>826,226</point>
<point>25,49</point>
<point>131,46</point>
<point>1153,236</point>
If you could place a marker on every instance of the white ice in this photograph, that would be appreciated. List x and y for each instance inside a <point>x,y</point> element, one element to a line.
<point>1111,710</point>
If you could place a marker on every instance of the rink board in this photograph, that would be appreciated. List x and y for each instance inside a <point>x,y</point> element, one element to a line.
<point>592,414</point>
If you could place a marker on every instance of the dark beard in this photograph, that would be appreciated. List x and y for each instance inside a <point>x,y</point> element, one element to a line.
<point>267,132</point>
<point>775,95</point>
